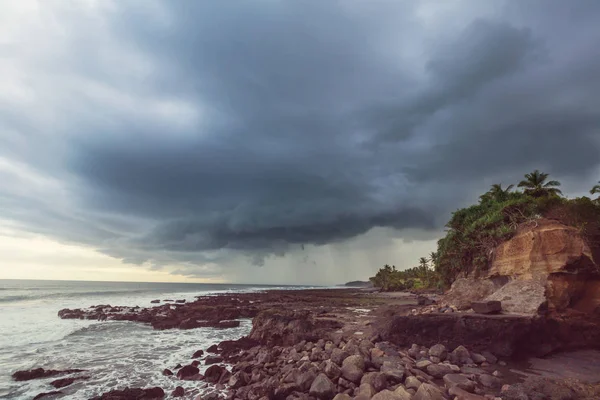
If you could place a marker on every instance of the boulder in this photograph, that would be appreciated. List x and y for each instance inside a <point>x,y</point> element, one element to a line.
<point>460,355</point>
<point>423,364</point>
<point>214,373</point>
<point>460,394</point>
<point>439,370</point>
<point>394,373</point>
<point>60,383</point>
<point>428,391</point>
<point>522,296</point>
<point>322,388</point>
<point>342,396</point>
<point>338,356</point>
<point>412,382</point>
<point>489,381</point>
<point>213,360</point>
<point>439,351</point>
<point>198,353</point>
<point>167,372</point>
<point>178,392</point>
<point>332,370</point>
<point>366,390</point>
<point>376,379</point>
<point>305,380</point>
<point>38,373</point>
<point>464,291</point>
<point>486,307</point>
<point>402,393</point>
<point>187,372</point>
<point>238,380</point>
<point>353,368</point>
<point>459,380</point>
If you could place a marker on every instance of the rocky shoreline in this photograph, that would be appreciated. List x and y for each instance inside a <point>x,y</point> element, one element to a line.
<point>342,344</point>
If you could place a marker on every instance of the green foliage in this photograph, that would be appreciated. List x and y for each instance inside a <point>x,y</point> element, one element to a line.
<point>390,279</point>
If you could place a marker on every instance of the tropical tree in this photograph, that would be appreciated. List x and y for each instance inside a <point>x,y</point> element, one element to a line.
<point>535,185</point>
<point>433,259</point>
<point>595,189</point>
<point>496,193</point>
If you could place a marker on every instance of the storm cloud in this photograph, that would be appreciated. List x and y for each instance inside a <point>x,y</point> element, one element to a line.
<point>199,134</point>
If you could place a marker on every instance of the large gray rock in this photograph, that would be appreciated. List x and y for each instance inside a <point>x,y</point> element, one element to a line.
<point>521,296</point>
<point>439,351</point>
<point>353,368</point>
<point>366,390</point>
<point>305,380</point>
<point>459,380</point>
<point>428,391</point>
<point>342,396</point>
<point>322,388</point>
<point>489,381</point>
<point>464,291</point>
<point>394,373</point>
<point>439,370</point>
<point>423,364</point>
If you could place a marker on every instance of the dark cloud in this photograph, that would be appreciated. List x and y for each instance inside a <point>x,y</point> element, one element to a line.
<point>188,132</point>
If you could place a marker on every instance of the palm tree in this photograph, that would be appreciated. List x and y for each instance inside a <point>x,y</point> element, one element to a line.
<point>595,189</point>
<point>433,258</point>
<point>496,193</point>
<point>535,185</point>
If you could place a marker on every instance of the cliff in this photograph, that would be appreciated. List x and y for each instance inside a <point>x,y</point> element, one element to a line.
<point>546,266</point>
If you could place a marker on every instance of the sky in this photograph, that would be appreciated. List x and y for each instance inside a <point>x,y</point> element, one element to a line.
<point>276,141</point>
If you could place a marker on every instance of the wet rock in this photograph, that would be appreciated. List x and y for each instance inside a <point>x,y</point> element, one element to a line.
<point>38,373</point>
<point>42,395</point>
<point>187,372</point>
<point>439,370</point>
<point>478,358</point>
<point>322,388</point>
<point>155,301</point>
<point>178,392</point>
<point>198,354</point>
<point>214,373</point>
<point>459,380</point>
<point>423,364</point>
<point>213,349</point>
<point>60,383</point>
<point>353,368</point>
<point>167,372</point>
<point>428,391</point>
<point>238,380</point>
<point>195,363</point>
<point>424,301</point>
<point>213,360</point>
<point>132,394</point>
<point>439,351</point>
<point>180,301</point>
<point>486,307</point>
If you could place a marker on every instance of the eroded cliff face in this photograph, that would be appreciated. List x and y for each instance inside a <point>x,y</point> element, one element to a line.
<point>543,249</point>
<point>546,266</point>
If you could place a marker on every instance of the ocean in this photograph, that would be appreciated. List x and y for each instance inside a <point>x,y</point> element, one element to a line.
<point>115,354</point>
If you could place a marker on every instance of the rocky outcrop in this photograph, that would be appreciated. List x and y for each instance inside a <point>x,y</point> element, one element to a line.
<point>281,327</point>
<point>545,248</point>
<point>464,291</point>
<point>38,373</point>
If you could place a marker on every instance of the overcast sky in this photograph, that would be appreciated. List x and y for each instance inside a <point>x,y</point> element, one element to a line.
<point>277,141</point>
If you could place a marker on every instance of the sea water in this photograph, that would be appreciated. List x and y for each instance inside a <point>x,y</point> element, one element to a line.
<point>115,354</point>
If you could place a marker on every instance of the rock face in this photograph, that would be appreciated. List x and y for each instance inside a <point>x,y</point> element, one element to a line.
<point>464,291</point>
<point>132,394</point>
<point>487,307</point>
<point>547,248</point>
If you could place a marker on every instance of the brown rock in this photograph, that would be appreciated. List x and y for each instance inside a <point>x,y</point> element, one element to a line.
<point>412,382</point>
<point>342,396</point>
<point>402,393</point>
<point>132,394</point>
<point>167,372</point>
<point>366,390</point>
<point>60,383</point>
<point>461,394</point>
<point>178,392</point>
<point>187,372</point>
<point>439,351</point>
<point>332,370</point>
<point>198,353</point>
<point>38,373</point>
<point>214,373</point>
<point>376,379</point>
<point>439,370</point>
<point>459,380</point>
<point>213,360</point>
